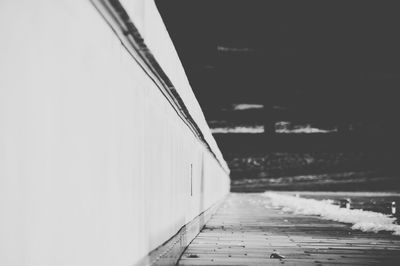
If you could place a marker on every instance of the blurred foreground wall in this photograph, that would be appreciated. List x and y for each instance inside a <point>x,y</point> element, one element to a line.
<point>99,162</point>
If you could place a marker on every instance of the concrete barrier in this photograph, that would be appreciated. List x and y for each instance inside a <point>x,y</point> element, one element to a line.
<point>104,150</point>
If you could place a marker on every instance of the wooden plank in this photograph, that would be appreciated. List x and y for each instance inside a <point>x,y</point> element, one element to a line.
<point>246,230</point>
<point>170,252</point>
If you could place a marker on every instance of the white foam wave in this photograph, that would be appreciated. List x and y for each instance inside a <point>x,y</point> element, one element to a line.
<point>287,127</point>
<point>366,221</point>
<point>249,129</point>
<point>247,106</point>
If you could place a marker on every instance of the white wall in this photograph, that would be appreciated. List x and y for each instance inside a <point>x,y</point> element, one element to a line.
<point>94,162</point>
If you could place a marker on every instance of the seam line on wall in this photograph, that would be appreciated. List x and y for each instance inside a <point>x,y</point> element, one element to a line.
<point>118,19</point>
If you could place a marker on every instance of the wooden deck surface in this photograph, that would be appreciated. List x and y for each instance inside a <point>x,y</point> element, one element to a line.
<point>247,229</point>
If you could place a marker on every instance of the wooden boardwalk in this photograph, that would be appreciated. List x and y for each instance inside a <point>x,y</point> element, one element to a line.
<point>247,229</point>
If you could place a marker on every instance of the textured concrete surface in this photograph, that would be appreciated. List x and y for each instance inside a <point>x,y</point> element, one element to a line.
<point>96,167</point>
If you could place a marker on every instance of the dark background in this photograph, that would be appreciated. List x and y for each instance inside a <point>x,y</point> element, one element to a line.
<point>327,64</point>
